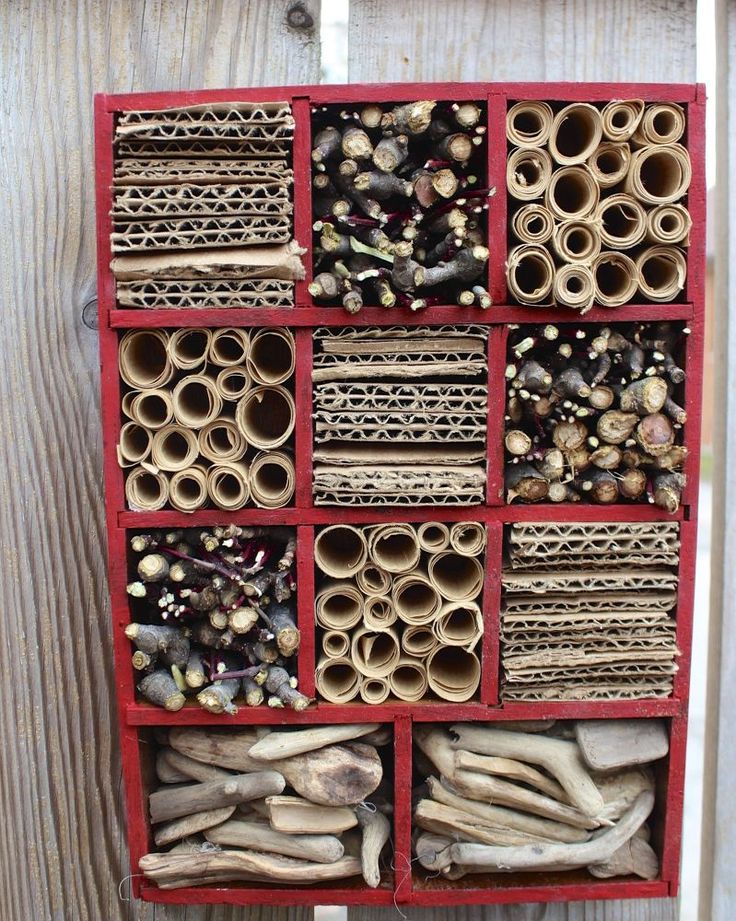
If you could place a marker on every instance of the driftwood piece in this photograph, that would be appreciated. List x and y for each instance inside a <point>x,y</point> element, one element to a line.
<point>465,826</point>
<point>294,815</point>
<point>621,789</point>
<point>165,772</point>
<point>513,770</point>
<point>610,744</point>
<point>190,769</point>
<point>287,744</point>
<point>634,858</point>
<point>376,829</point>
<point>190,825</point>
<point>171,803</point>
<point>258,836</point>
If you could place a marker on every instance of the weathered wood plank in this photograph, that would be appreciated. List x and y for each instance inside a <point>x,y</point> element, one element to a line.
<point>62,840</point>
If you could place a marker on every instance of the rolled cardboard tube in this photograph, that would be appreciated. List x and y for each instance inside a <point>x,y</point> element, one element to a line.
<point>271,356</point>
<point>408,680</point>
<point>188,489</point>
<point>533,223</point>
<point>134,444</point>
<point>528,173</point>
<point>337,680</point>
<point>144,359</point>
<point>272,479</point>
<point>196,401</point>
<point>574,286</point>
<point>374,690</point>
<point>227,485</point>
<point>453,673</point>
<point>189,347</point>
<point>265,415</point>
<point>340,550</point>
<point>339,606</point>
<point>222,441</point>
<point>577,241</point>
<point>375,653</point>
<point>456,577</point>
<point>146,491</point>
<point>433,536</point>
<point>229,347</point>
<point>659,174</point>
<point>372,580</point>
<point>416,600</point>
<point>335,644</point>
<point>418,640</point>
<point>609,163</point>
<point>662,271</point>
<point>576,132</point>
<point>530,272</point>
<point>152,408</point>
<point>379,612</point>
<point>468,538</point>
<point>394,547</point>
<point>662,123</point>
<point>669,224</point>
<point>233,383</point>
<point>616,279</point>
<point>174,447</point>
<point>572,193</point>
<point>460,623</point>
<point>620,118</point>
<point>622,221</point>
<point>528,123</point>
<point>127,400</point>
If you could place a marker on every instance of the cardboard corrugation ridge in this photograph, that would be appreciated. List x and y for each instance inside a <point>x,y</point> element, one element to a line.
<point>188,199</point>
<point>191,293</point>
<point>186,232</point>
<point>438,398</point>
<point>158,171</point>
<point>220,147</point>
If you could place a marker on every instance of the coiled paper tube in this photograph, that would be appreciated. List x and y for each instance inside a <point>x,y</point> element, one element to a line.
<point>660,174</point>
<point>188,348</point>
<point>337,680</point>
<point>340,550</point>
<point>620,118</point>
<point>144,359</point>
<point>456,577</point>
<point>375,653</point>
<point>227,485</point>
<point>663,123</point>
<point>338,606</point>
<point>453,673</point>
<point>174,448</point>
<point>529,273</point>
<point>374,690</point>
<point>459,624</point>
<point>379,612</point>
<point>265,416</point>
<point>528,172</point>
<point>188,489</point>
<point>416,599</point>
<point>576,132</point>
<point>572,193</point>
<point>152,408</point>
<point>662,271</point>
<point>622,221</point>
<point>468,538</point>
<point>394,547</point>
<point>196,401</point>
<point>372,580</point>
<point>134,444</point>
<point>669,224</point>
<point>146,491</point>
<point>335,644</point>
<point>272,479</point>
<point>418,640</point>
<point>609,163</point>
<point>222,441</point>
<point>127,400</point>
<point>528,124</point>
<point>616,279</point>
<point>271,356</point>
<point>233,383</point>
<point>408,681</point>
<point>229,347</point>
<point>577,241</point>
<point>574,287</point>
<point>433,536</point>
<point>533,224</point>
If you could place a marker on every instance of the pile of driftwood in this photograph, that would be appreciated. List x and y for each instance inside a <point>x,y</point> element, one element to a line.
<point>400,611</point>
<point>400,415</point>
<point>533,797</point>
<point>591,414</point>
<point>202,207</point>
<point>288,807</point>
<point>215,614</point>
<point>588,611</point>
<point>595,212</point>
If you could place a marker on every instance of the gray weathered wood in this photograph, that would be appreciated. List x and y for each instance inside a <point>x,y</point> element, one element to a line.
<point>62,837</point>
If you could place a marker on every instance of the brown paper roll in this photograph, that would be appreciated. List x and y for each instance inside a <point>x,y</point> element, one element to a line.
<point>227,485</point>
<point>265,416</point>
<point>174,447</point>
<point>574,287</point>
<point>134,444</point>
<point>620,118</point>
<point>272,479</point>
<point>222,441</point>
<point>577,241</point>
<point>188,348</point>
<point>609,163</point>
<point>372,580</point>
<point>528,172</point>
<point>662,272</point>
<point>416,599</point>
<point>229,347</point>
<point>456,577</point>
<point>408,681</point>
<point>233,383</point>
<point>529,123</point>
<point>576,132</point>
<point>622,221</point>
<point>418,640</point>
<point>335,644</point>
<point>152,408</point>
<point>533,224</point>
<point>468,538</point>
<point>433,536</point>
<point>659,174</point>
<point>196,401</point>
<point>144,359</point>
<point>340,550</point>
<point>530,272</point>
<point>374,690</point>
<point>338,606</point>
<point>188,489</point>
<point>337,680</point>
<point>663,123</point>
<point>572,193</point>
<point>127,401</point>
<point>146,491</point>
<point>379,612</point>
<point>616,279</point>
<point>375,653</point>
<point>453,673</point>
<point>669,224</point>
<point>271,356</point>
<point>460,623</point>
<point>394,547</point>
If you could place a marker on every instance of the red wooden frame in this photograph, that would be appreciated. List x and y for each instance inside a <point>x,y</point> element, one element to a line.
<point>134,716</point>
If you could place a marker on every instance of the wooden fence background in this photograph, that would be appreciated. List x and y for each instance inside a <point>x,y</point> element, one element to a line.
<point>62,835</point>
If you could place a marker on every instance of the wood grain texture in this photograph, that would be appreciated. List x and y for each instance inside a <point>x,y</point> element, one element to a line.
<point>62,835</point>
